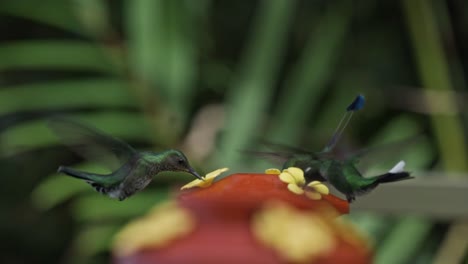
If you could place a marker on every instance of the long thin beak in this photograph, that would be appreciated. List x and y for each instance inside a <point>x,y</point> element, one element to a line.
<point>194,173</point>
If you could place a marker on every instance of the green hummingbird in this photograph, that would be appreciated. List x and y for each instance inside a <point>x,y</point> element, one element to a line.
<point>347,179</point>
<point>132,170</point>
<point>323,166</point>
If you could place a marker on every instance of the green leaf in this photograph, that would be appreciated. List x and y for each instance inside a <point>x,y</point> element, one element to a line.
<point>434,70</point>
<point>416,154</point>
<point>94,15</point>
<point>375,226</point>
<point>251,93</point>
<point>102,92</point>
<point>163,52</point>
<point>97,207</point>
<point>56,13</point>
<point>144,26</point>
<point>308,77</point>
<point>404,240</point>
<point>59,54</point>
<point>95,239</point>
<point>311,73</point>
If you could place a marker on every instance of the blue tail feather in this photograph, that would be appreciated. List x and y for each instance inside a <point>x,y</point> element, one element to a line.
<point>357,104</point>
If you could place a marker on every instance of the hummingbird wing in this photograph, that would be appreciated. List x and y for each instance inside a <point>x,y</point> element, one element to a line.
<point>281,152</point>
<point>278,157</point>
<point>91,143</point>
<point>284,148</point>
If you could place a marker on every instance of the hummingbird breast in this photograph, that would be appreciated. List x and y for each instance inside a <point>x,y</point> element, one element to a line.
<point>137,179</point>
<point>338,179</point>
<point>133,185</point>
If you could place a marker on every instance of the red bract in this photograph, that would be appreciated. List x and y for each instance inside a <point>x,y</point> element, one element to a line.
<point>243,218</point>
<point>249,191</point>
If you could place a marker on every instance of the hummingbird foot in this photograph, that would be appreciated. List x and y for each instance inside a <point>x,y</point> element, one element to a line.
<point>350,198</point>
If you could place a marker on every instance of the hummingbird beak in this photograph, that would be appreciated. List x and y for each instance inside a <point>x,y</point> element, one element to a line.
<point>194,173</point>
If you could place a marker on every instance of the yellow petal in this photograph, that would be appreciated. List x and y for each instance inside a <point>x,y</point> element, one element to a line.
<point>295,189</point>
<point>192,184</point>
<point>287,177</point>
<point>208,180</point>
<point>273,171</point>
<point>298,175</point>
<point>313,195</point>
<point>313,183</point>
<point>319,187</point>
<point>215,173</point>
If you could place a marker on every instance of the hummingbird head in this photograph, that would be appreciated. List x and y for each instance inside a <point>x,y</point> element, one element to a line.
<point>176,161</point>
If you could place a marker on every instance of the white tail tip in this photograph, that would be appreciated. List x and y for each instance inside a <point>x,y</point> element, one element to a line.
<point>399,167</point>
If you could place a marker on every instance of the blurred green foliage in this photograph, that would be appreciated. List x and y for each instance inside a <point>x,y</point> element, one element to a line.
<point>282,70</point>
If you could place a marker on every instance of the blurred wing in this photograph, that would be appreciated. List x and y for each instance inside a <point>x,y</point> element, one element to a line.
<point>283,148</point>
<point>91,143</point>
<point>281,153</point>
<point>286,150</point>
<point>277,157</point>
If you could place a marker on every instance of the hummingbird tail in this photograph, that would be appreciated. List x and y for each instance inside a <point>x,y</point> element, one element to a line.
<point>75,173</point>
<point>393,177</point>
<point>384,178</point>
<point>89,178</point>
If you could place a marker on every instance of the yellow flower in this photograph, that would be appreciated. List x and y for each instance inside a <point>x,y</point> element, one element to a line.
<point>208,180</point>
<point>294,177</point>
<point>296,235</point>
<point>273,171</point>
<point>162,225</point>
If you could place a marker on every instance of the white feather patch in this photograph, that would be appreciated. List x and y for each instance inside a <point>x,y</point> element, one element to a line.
<point>399,167</point>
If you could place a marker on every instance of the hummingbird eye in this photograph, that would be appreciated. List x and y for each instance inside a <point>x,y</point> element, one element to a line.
<point>180,161</point>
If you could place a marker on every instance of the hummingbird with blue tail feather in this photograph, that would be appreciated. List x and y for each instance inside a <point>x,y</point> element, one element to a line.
<point>132,170</point>
<point>341,174</point>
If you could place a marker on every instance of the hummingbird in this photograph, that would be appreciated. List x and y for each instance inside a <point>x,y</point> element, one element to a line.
<point>132,170</point>
<point>341,174</point>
